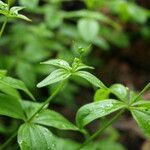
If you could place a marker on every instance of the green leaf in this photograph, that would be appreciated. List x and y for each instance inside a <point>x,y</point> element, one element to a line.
<point>9,90</point>
<point>101,94</point>
<point>13,13</point>
<point>10,106</point>
<point>88,29</point>
<point>55,76</point>
<point>91,78</point>
<point>83,66</point>
<point>30,107</point>
<point>32,4</point>
<point>2,73</point>
<point>92,111</point>
<point>66,144</point>
<point>120,91</point>
<point>143,120</point>
<point>35,137</point>
<point>25,71</point>
<point>54,119</point>
<point>3,7</point>
<point>104,145</point>
<point>53,17</point>
<point>58,63</point>
<point>143,104</point>
<point>17,84</point>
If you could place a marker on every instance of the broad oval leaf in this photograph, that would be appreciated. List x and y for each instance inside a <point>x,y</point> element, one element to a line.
<point>101,94</point>
<point>58,63</point>
<point>92,111</point>
<point>55,76</point>
<point>88,29</point>
<point>35,137</point>
<point>10,106</point>
<point>91,78</point>
<point>83,66</point>
<point>17,84</point>
<point>142,118</point>
<point>54,119</point>
<point>120,91</point>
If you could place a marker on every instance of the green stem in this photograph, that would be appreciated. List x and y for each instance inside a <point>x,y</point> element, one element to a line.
<point>8,2</point>
<point>8,141</point>
<point>100,131</point>
<point>47,101</point>
<point>3,26</point>
<point>141,93</point>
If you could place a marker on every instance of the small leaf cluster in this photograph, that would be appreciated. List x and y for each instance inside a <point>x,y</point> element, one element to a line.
<point>65,71</point>
<point>12,12</point>
<point>125,99</point>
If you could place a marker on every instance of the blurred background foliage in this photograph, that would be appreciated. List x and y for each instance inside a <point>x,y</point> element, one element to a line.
<point>115,33</point>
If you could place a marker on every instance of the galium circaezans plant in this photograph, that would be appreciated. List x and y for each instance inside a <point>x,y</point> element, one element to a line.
<point>10,13</point>
<point>125,100</point>
<point>36,115</point>
<point>33,135</point>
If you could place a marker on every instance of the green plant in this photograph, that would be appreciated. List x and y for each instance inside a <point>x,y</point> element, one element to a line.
<point>10,13</point>
<point>37,125</point>
<point>33,135</point>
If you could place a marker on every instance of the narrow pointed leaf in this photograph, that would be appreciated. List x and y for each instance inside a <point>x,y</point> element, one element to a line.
<point>91,78</point>
<point>58,63</point>
<point>92,111</point>
<point>83,66</point>
<point>55,76</point>
<point>17,84</point>
<point>14,13</point>
<point>54,119</point>
<point>142,118</point>
<point>10,106</point>
<point>35,137</point>
<point>143,103</point>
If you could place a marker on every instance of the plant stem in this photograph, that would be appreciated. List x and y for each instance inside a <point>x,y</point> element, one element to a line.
<point>100,131</point>
<point>8,2</point>
<point>8,141</point>
<point>47,101</point>
<point>141,93</point>
<point>3,26</point>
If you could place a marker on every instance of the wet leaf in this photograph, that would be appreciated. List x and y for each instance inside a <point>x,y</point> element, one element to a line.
<point>35,137</point>
<point>58,63</point>
<point>55,76</point>
<point>54,119</point>
<point>92,111</point>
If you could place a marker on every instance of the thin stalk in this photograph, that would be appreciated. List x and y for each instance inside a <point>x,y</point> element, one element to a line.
<point>47,101</point>
<point>141,93</point>
<point>8,141</point>
<point>101,130</point>
<point>8,2</point>
<point>3,26</point>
